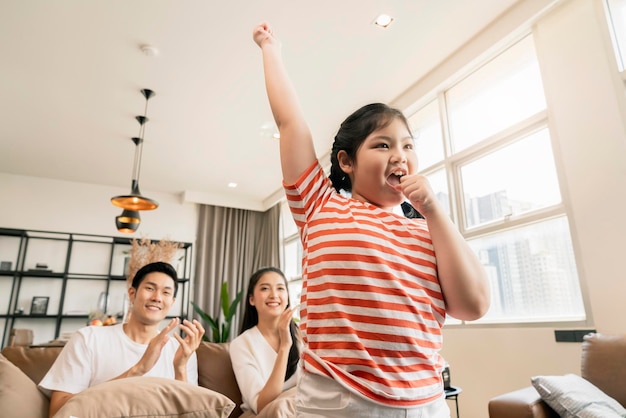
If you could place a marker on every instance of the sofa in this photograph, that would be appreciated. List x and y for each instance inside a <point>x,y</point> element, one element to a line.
<point>217,393</point>
<point>599,390</point>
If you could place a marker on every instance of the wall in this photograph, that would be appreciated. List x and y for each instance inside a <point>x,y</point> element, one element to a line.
<point>51,205</point>
<point>587,112</point>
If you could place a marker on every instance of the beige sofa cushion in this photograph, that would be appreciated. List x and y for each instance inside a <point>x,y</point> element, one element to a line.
<point>35,362</point>
<point>215,372</point>
<point>19,396</point>
<point>147,397</point>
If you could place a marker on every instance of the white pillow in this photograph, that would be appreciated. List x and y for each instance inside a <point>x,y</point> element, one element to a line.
<point>571,396</point>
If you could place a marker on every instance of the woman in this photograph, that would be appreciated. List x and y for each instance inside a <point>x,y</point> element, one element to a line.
<point>265,354</point>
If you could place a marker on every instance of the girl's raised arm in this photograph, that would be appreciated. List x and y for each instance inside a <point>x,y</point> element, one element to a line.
<point>296,144</point>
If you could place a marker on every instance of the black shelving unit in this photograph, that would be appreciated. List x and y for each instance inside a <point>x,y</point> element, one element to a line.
<point>71,270</point>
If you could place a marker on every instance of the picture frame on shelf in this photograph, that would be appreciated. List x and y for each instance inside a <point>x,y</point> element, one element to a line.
<point>39,305</point>
<point>5,265</point>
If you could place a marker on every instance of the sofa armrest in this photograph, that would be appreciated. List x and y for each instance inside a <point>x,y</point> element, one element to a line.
<point>34,362</point>
<point>523,403</point>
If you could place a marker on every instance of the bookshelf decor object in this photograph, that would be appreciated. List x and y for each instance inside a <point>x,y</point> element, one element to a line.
<point>39,305</point>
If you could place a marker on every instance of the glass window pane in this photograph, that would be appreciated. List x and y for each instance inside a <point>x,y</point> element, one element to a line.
<point>289,225</point>
<point>293,259</point>
<point>532,272</point>
<point>426,125</point>
<point>439,183</point>
<point>617,25</point>
<point>504,92</point>
<point>513,180</point>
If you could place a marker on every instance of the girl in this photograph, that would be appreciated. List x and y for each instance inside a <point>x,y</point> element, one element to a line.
<point>376,285</point>
<point>265,354</point>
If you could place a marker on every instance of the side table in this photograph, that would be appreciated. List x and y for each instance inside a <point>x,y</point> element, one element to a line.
<point>453,393</point>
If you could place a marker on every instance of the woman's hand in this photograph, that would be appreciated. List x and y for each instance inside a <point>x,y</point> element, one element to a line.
<point>284,324</point>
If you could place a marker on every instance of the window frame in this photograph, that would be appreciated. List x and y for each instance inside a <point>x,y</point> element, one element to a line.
<point>452,164</point>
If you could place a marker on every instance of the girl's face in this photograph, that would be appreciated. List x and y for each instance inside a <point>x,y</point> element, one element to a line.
<point>384,156</point>
<point>270,295</point>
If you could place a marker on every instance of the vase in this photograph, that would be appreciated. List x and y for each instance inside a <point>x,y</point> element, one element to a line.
<point>102,302</point>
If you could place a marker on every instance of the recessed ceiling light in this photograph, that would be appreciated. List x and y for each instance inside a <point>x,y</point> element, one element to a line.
<point>232,185</point>
<point>149,50</point>
<point>383,21</point>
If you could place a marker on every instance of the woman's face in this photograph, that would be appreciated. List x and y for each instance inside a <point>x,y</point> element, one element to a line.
<point>271,296</point>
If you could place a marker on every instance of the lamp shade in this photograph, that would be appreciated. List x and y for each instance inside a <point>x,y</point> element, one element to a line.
<point>128,221</point>
<point>134,201</point>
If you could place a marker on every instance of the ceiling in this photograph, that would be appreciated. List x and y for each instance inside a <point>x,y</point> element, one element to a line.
<point>72,71</point>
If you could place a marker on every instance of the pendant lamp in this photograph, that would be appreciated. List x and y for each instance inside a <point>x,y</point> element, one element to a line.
<point>128,221</point>
<point>135,201</point>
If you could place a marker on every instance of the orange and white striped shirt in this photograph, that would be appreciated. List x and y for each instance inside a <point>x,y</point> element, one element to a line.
<point>372,308</point>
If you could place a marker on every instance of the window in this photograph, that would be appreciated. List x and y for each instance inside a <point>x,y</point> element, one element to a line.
<point>616,14</point>
<point>291,257</point>
<point>485,146</point>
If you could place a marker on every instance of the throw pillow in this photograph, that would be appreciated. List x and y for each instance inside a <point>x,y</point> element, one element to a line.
<point>571,396</point>
<point>147,397</point>
<point>19,396</point>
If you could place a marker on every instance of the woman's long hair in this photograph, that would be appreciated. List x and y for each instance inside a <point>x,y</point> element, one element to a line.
<point>251,319</point>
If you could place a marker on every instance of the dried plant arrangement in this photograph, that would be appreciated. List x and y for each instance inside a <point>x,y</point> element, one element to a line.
<point>144,251</point>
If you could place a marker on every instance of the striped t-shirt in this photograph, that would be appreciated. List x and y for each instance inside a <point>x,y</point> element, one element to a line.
<point>372,308</point>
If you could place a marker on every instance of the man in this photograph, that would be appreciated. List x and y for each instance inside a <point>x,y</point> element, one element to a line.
<point>136,348</point>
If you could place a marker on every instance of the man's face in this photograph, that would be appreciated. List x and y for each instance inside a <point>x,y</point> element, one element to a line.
<point>153,298</point>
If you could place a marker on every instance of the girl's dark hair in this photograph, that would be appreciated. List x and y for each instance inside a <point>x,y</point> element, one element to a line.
<point>159,267</point>
<point>353,132</point>
<point>251,318</point>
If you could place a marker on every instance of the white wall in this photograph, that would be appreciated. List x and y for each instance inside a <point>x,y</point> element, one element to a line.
<point>587,113</point>
<point>52,205</point>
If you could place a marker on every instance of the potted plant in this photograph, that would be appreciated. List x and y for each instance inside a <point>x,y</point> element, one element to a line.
<point>220,326</point>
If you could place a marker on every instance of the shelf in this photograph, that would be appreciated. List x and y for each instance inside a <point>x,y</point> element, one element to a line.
<point>12,232</point>
<point>79,268</point>
<point>37,273</point>
<point>86,276</point>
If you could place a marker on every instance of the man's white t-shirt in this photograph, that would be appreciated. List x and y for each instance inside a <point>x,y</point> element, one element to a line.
<point>98,354</point>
